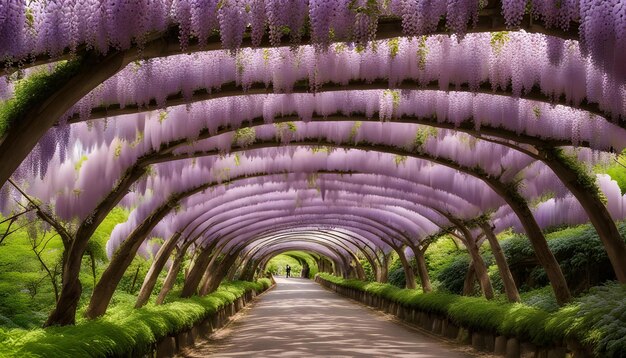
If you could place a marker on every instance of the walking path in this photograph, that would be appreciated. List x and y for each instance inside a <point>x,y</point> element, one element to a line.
<point>298,318</point>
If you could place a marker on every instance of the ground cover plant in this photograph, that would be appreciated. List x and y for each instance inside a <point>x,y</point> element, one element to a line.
<point>597,319</point>
<point>124,330</point>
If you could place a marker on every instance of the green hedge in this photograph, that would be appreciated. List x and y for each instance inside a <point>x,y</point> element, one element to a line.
<point>597,319</point>
<point>123,329</point>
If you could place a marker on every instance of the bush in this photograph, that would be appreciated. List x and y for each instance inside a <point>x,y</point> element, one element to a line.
<point>452,276</point>
<point>542,298</point>
<point>123,330</point>
<point>579,251</point>
<point>397,277</point>
<point>369,271</point>
<point>597,319</point>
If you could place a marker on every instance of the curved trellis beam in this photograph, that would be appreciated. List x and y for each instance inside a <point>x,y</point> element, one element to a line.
<point>543,150</point>
<point>377,206</point>
<point>249,255</point>
<point>215,153</point>
<point>262,263</point>
<point>508,193</point>
<point>233,90</point>
<point>353,237</point>
<point>229,207</point>
<point>515,64</point>
<point>256,207</point>
<point>274,225</point>
<point>574,180</point>
<point>376,264</point>
<point>125,254</point>
<point>114,63</point>
<point>568,173</point>
<point>360,225</point>
<point>301,255</point>
<point>224,258</point>
<point>295,243</point>
<point>291,238</point>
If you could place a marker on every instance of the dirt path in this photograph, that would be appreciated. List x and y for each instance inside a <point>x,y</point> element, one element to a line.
<point>299,318</point>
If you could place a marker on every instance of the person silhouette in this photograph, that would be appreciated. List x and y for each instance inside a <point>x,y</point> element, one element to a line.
<point>288,271</point>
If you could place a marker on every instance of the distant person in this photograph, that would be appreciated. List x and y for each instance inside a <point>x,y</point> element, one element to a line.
<point>288,271</point>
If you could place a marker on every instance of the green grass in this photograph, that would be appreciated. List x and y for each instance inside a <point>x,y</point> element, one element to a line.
<point>597,319</point>
<point>123,330</point>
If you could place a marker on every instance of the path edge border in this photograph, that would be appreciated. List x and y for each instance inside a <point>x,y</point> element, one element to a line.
<point>175,343</point>
<point>440,327</point>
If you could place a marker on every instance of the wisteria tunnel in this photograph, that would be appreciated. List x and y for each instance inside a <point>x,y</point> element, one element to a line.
<point>456,164</point>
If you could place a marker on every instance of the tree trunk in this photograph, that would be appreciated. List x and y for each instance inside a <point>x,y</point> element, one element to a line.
<point>170,279</point>
<point>132,286</point>
<point>538,241</point>
<point>596,211</point>
<point>384,274</point>
<point>323,265</point>
<point>305,270</point>
<point>247,274</point>
<point>123,257</point>
<point>505,273</point>
<point>55,287</point>
<point>155,269</point>
<point>65,311</point>
<point>192,259</point>
<point>422,270</point>
<point>93,268</point>
<point>216,273</point>
<point>480,269</point>
<point>470,278</point>
<point>345,268</point>
<point>408,270</point>
<point>231,272</point>
<point>384,269</point>
<point>195,274</point>
<point>360,272</point>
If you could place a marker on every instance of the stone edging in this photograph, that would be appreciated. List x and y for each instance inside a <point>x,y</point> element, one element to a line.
<point>510,347</point>
<point>175,343</point>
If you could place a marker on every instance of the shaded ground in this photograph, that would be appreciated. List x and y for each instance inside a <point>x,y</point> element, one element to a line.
<point>299,318</point>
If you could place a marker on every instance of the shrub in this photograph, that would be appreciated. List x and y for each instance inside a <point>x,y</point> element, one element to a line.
<point>369,271</point>
<point>123,330</point>
<point>597,319</point>
<point>452,276</point>
<point>580,253</point>
<point>397,277</point>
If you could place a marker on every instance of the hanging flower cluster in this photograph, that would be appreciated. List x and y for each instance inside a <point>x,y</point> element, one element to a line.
<point>516,62</point>
<point>34,28</point>
<point>520,116</point>
<point>289,193</point>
